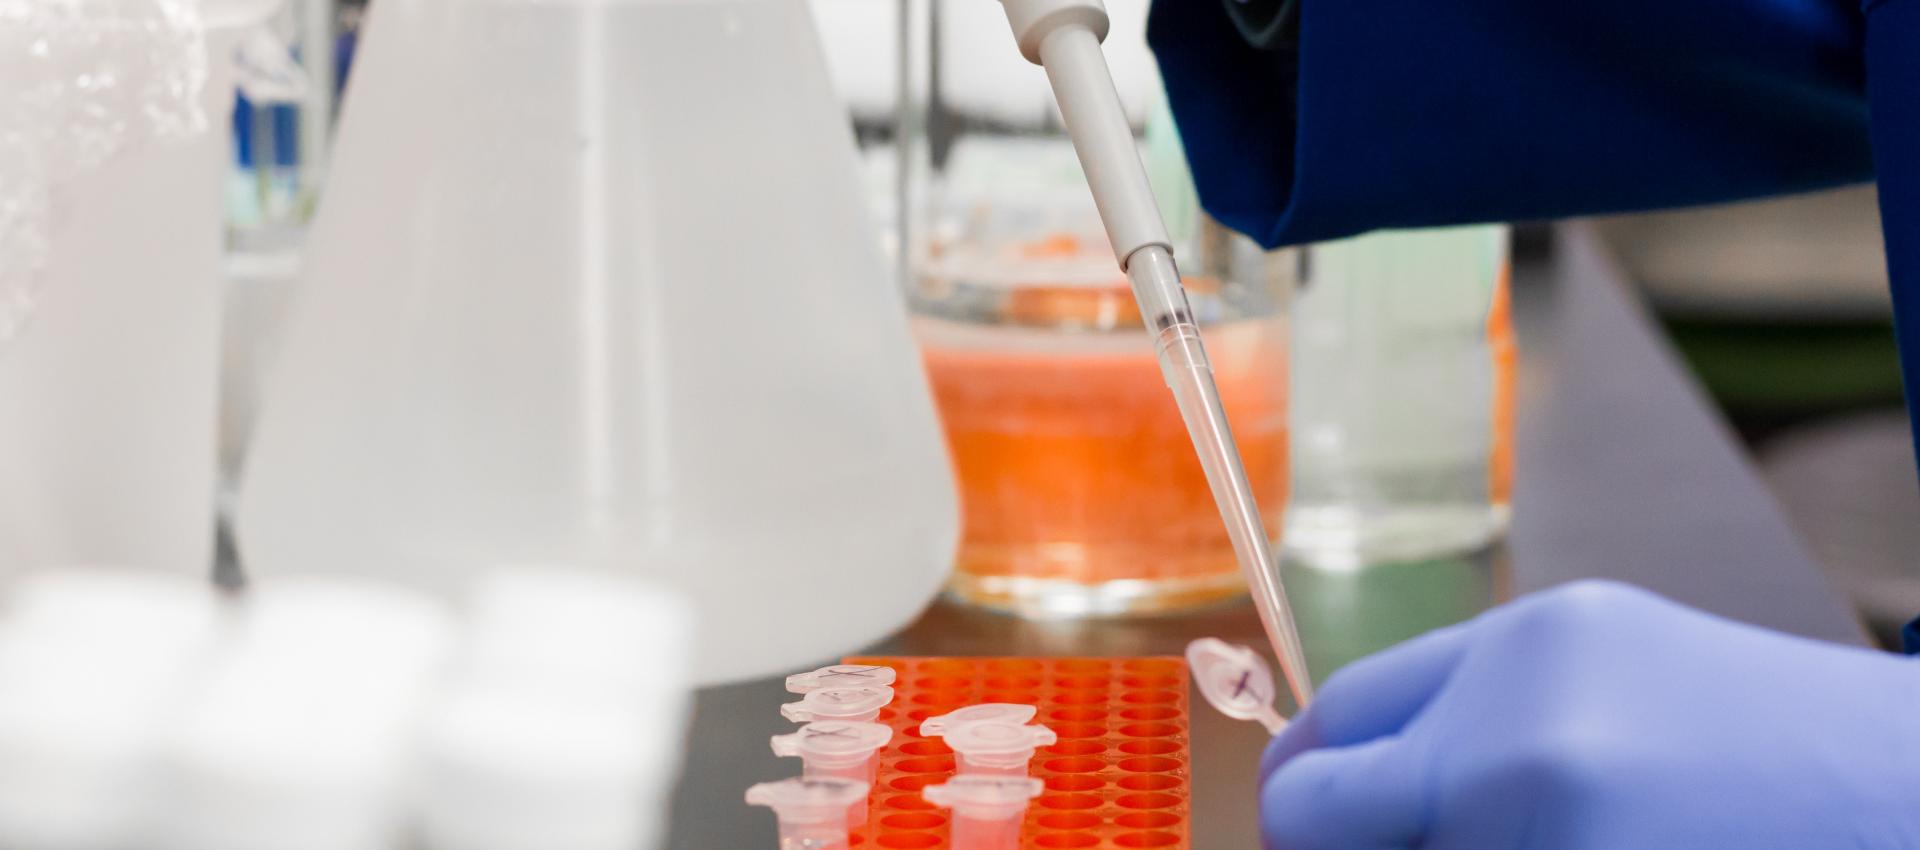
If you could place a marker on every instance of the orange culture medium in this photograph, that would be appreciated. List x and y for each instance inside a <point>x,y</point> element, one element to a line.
<point>1074,464</point>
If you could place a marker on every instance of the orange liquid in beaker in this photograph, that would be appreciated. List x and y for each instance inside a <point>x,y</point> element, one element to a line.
<point>1076,471</point>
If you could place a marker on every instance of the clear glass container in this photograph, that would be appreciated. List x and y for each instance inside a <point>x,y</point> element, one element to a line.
<point>1080,490</point>
<point>1403,368</point>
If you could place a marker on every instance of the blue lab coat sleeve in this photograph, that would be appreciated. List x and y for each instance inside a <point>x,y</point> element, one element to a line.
<point>1893,72</point>
<point>1353,115</point>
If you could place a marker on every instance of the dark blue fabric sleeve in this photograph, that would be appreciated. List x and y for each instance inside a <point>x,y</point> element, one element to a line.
<point>1401,113</point>
<point>1893,71</point>
<point>1415,112</point>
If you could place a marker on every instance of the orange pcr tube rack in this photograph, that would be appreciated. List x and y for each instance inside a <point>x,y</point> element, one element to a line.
<point>1117,778</point>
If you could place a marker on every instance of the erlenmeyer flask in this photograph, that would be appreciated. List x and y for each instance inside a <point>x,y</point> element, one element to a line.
<point>594,284</point>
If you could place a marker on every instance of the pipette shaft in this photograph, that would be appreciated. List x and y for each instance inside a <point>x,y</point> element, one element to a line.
<point>1064,37</point>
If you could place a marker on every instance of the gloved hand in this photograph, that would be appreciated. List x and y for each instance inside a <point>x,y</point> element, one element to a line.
<point>1601,716</point>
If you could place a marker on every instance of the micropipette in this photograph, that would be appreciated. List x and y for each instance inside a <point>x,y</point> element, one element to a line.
<point>1063,36</point>
<point>1235,681</point>
<point>986,809</point>
<point>813,812</point>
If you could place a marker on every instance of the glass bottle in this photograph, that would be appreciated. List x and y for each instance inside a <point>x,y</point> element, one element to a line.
<point>1403,367</point>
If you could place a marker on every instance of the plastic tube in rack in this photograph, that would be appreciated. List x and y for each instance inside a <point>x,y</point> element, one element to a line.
<point>842,676</point>
<point>987,810</point>
<point>837,749</point>
<point>861,704</point>
<point>1004,712</point>
<point>997,747</point>
<point>812,812</point>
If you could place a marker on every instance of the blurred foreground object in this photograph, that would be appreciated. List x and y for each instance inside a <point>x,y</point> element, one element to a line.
<point>111,155</point>
<point>605,292</point>
<point>140,711</point>
<point>94,664</point>
<point>1403,370</point>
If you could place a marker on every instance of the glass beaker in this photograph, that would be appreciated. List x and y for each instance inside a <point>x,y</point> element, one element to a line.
<point>1403,369</point>
<point>594,283</point>
<point>1079,486</point>
<point>1080,490</point>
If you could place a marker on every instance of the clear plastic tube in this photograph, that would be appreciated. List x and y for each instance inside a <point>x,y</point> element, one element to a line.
<point>987,810</point>
<point>812,811</point>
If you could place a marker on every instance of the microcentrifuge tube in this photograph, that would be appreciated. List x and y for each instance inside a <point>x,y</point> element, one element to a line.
<point>837,749</point>
<point>987,810</point>
<point>1235,681</point>
<point>842,676</point>
<point>812,812</point>
<point>1004,712</point>
<point>861,704</point>
<point>997,747</point>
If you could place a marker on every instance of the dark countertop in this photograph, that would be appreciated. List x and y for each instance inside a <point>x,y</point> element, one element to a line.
<point>1624,471</point>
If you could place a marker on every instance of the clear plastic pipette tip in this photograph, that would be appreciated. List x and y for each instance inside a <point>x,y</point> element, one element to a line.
<point>1183,363</point>
<point>1235,681</point>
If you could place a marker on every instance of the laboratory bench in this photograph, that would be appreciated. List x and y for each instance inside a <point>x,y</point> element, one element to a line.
<point>1623,471</point>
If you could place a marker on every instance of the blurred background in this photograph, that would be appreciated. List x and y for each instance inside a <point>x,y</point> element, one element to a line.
<point>1780,307</point>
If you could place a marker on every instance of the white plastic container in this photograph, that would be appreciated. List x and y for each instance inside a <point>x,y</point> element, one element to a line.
<point>108,386</point>
<point>594,284</point>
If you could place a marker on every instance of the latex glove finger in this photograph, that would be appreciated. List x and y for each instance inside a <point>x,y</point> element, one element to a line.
<point>1364,797</point>
<point>1375,696</point>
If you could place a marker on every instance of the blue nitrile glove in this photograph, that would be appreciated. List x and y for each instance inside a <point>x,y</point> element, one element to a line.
<point>1602,716</point>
